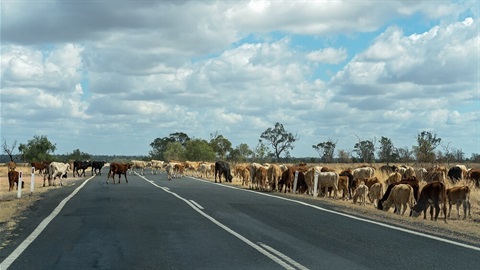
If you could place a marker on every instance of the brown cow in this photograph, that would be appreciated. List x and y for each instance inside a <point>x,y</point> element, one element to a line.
<point>288,176</point>
<point>459,195</point>
<point>474,175</point>
<point>13,178</point>
<point>432,194</point>
<point>118,168</point>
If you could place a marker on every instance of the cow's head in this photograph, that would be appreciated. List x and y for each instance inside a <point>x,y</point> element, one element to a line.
<point>230,177</point>
<point>415,212</point>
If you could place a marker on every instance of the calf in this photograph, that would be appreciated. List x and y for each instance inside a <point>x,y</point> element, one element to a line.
<point>401,195</point>
<point>432,194</point>
<point>13,178</point>
<point>459,195</point>
<point>375,193</point>
<point>361,193</point>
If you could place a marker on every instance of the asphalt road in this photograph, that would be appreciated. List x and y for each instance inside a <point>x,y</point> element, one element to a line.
<point>154,223</point>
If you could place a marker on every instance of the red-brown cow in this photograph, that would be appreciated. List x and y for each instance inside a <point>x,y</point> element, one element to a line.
<point>432,194</point>
<point>118,168</point>
<point>13,178</point>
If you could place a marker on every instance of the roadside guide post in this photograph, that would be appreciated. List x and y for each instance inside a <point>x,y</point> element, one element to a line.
<point>315,184</point>
<point>295,182</point>
<point>19,185</point>
<point>32,182</point>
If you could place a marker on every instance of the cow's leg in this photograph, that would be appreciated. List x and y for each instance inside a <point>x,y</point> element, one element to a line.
<point>126,180</point>
<point>437,211</point>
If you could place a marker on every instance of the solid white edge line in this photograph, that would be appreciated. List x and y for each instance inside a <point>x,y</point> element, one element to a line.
<point>354,217</point>
<point>239,236</point>
<point>21,248</point>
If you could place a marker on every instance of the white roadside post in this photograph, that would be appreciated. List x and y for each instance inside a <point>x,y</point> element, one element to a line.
<point>32,182</point>
<point>19,186</point>
<point>295,182</point>
<point>315,184</point>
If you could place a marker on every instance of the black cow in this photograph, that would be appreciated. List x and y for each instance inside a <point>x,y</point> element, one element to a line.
<point>80,165</point>
<point>455,174</point>
<point>97,165</point>
<point>223,168</point>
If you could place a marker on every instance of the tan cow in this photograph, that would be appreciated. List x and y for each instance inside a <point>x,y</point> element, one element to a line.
<point>393,178</point>
<point>459,195</point>
<point>274,174</point>
<point>361,193</point>
<point>375,193</point>
<point>401,196</point>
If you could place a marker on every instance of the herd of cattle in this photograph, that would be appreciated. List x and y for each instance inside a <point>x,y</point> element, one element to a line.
<point>417,188</point>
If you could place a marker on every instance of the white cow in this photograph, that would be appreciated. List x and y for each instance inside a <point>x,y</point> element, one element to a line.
<point>57,169</point>
<point>326,180</point>
<point>363,173</point>
<point>156,165</point>
<point>139,164</point>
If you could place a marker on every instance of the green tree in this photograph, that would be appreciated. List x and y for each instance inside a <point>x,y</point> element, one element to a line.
<point>260,152</point>
<point>243,152</point>
<point>344,156</point>
<point>326,150</point>
<point>425,148</point>
<point>180,137</point>
<point>199,150</point>
<point>220,145</point>
<point>37,149</point>
<point>404,154</point>
<point>175,151</point>
<point>78,155</point>
<point>387,152</point>
<point>280,140</point>
<point>159,145</point>
<point>365,150</point>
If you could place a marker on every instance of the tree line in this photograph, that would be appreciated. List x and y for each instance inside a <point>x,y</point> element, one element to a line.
<point>274,145</point>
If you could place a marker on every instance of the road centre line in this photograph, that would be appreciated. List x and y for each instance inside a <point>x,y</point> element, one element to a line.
<point>260,249</point>
<point>21,248</point>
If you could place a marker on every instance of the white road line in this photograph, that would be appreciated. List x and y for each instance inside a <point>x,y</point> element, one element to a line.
<point>283,256</point>
<point>21,248</point>
<point>353,217</point>
<point>239,236</point>
<point>196,204</point>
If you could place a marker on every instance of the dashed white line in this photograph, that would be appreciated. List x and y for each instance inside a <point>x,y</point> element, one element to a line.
<point>257,247</point>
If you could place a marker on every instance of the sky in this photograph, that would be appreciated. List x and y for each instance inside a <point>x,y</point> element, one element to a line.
<point>109,77</point>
